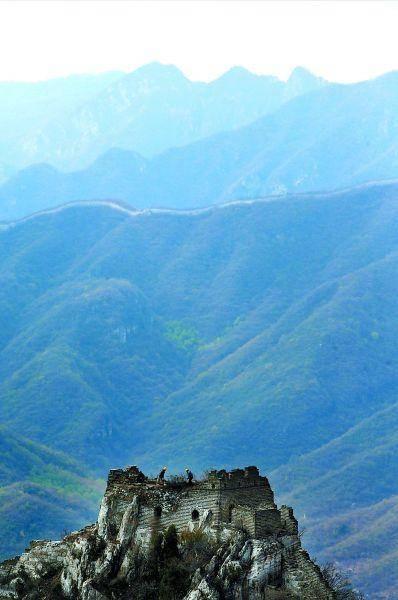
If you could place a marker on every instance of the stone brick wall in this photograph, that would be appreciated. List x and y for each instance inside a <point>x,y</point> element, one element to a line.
<point>240,498</point>
<point>288,519</point>
<point>243,517</point>
<point>267,522</point>
<point>312,575</point>
<point>184,509</point>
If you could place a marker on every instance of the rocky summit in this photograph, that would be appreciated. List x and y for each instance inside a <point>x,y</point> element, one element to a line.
<point>219,537</point>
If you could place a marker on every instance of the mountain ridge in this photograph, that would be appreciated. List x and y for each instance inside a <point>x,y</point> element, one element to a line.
<point>118,204</point>
<point>147,110</point>
<point>315,141</point>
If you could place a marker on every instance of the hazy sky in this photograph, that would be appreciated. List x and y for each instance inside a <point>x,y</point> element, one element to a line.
<point>343,41</point>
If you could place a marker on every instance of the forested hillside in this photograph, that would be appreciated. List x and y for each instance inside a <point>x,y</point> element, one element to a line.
<point>42,493</point>
<point>253,332</point>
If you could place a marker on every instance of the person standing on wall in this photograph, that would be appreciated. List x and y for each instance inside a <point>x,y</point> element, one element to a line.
<point>189,476</point>
<point>161,475</point>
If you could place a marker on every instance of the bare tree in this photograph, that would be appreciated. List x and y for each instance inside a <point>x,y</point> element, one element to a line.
<point>340,583</point>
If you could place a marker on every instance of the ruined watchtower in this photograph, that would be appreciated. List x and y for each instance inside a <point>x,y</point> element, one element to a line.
<point>255,548</point>
<point>223,501</point>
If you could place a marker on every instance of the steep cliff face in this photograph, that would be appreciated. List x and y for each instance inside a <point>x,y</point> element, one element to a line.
<point>135,550</point>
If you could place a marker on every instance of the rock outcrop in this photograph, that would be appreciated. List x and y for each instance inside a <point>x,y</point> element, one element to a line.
<point>219,538</point>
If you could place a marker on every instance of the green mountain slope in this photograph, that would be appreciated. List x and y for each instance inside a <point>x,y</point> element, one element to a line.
<point>42,493</point>
<point>256,332</point>
<point>359,469</point>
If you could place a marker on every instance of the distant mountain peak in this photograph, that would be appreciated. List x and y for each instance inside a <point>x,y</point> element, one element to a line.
<point>301,80</point>
<point>158,71</point>
<point>302,74</point>
<point>301,71</point>
<point>237,73</point>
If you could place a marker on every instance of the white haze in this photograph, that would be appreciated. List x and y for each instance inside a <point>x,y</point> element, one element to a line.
<point>342,41</point>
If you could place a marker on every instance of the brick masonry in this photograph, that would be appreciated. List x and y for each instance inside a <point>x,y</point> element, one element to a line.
<point>237,498</point>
